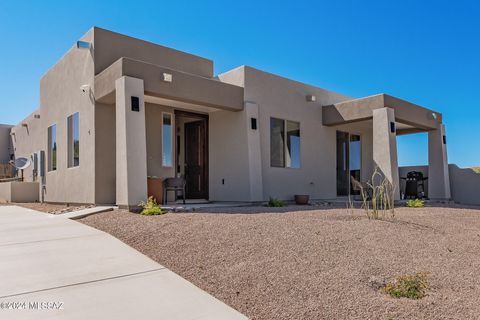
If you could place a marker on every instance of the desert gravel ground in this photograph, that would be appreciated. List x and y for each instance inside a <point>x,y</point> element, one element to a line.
<point>315,264</point>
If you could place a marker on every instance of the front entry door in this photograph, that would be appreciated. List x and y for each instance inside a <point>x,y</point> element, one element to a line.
<point>196,160</point>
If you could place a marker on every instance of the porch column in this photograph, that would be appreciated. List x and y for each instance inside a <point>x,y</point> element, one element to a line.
<point>131,150</point>
<point>254,153</point>
<point>385,146</point>
<point>438,175</point>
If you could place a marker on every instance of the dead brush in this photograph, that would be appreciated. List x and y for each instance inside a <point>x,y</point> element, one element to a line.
<point>378,200</point>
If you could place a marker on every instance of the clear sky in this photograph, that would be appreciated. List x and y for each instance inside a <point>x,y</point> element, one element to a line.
<point>427,52</point>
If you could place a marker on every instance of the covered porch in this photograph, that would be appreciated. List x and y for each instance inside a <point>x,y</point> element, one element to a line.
<point>384,118</point>
<point>161,125</point>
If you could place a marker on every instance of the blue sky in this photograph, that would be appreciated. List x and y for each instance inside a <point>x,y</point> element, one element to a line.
<point>427,52</point>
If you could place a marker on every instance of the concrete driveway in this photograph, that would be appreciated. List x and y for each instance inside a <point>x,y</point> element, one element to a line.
<point>56,268</point>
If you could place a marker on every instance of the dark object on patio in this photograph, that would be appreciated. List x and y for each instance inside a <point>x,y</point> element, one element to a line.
<point>414,185</point>
<point>174,184</point>
<point>302,199</point>
<point>363,188</point>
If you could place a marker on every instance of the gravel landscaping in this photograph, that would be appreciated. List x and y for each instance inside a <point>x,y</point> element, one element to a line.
<point>318,263</point>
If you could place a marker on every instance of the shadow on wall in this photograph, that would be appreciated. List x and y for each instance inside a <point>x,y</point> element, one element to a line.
<point>464,185</point>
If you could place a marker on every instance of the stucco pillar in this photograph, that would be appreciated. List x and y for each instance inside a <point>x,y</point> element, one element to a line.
<point>385,146</point>
<point>131,149</point>
<point>254,153</point>
<point>438,175</point>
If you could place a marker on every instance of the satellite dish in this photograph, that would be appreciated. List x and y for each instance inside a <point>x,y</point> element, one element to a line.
<point>21,163</point>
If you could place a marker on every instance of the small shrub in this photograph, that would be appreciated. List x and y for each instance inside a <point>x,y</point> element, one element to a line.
<point>151,208</point>
<point>276,203</point>
<point>417,203</point>
<point>408,286</point>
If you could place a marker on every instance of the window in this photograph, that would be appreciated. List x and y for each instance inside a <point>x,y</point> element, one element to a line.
<point>166,139</point>
<point>52,148</point>
<point>73,140</point>
<point>284,148</point>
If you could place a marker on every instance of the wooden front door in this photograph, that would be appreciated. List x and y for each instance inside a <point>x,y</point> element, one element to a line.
<point>196,160</point>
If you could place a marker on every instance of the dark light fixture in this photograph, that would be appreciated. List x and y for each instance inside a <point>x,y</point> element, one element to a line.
<point>253,123</point>
<point>135,104</point>
<point>392,127</point>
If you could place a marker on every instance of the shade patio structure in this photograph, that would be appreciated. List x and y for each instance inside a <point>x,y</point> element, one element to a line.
<point>391,116</point>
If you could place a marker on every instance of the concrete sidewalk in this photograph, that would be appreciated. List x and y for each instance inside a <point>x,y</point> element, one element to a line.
<point>61,269</point>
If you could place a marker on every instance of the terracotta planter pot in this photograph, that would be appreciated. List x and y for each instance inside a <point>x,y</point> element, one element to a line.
<point>302,199</point>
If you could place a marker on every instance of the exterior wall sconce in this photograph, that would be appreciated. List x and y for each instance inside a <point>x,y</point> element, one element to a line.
<point>253,123</point>
<point>167,77</point>
<point>392,127</point>
<point>311,98</point>
<point>135,101</point>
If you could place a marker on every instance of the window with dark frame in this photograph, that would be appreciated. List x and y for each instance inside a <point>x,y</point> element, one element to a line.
<point>52,147</point>
<point>73,128</point>
<point>167,133</point>
<point>284,143</point>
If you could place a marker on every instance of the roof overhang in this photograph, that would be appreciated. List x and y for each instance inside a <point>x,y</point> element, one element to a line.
<point>184,87</point>
<point>417,118</point>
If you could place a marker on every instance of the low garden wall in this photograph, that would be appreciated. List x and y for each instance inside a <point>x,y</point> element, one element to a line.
<point>19,191</point>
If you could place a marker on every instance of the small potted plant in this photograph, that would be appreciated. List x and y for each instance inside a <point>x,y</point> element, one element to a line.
<point>302,199</point>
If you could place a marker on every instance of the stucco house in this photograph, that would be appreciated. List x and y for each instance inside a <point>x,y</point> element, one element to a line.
<point>116,110</point>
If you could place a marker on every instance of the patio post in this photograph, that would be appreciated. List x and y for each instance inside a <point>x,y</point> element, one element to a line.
<point>131,150</point>
<point>438,174</point>
<point>385,146</point>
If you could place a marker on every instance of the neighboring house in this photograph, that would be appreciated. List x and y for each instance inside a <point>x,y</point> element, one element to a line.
<point>115,110</point>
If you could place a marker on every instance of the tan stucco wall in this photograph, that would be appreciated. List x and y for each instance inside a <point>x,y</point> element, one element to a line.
<point>110,46</point>
<point>105,163</point>
<point>5,143</point>
<point>228,157</point>
<point>60,97</point>
<point>286,99</point>
<point>464,185</point>
<point>16,191</point>
<point>28,140</point>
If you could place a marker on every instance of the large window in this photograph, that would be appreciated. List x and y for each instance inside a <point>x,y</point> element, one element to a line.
<point>73,123</point>
<point>284,143</point>
<point>52,148</point>
<point>167,140</point>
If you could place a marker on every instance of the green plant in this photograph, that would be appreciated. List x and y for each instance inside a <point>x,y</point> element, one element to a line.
<point>408,286</point>
<point>151,208</point>
<point>417,203</point>
<point>274,202</point>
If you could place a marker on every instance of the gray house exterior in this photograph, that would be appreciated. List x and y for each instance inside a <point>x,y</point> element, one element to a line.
<point>116,110</point>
